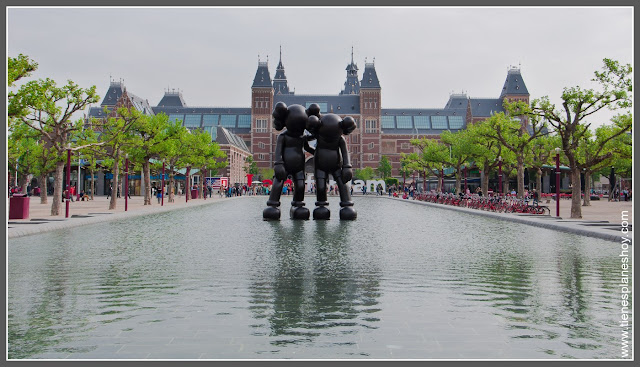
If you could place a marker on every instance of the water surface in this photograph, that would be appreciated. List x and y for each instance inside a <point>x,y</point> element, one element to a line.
<point>402,281</point>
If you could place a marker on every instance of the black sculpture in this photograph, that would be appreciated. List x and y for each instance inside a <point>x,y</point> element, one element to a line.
<point>289,160</point>
<point>331,157</point>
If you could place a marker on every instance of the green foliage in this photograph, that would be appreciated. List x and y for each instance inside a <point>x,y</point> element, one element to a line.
<point>18,68</point>
<point>364,174</point>
<point>251,167</point>
<point>384,168</point>
<point>390,181</point>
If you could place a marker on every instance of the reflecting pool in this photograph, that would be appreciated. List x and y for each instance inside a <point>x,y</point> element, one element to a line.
<point>402,281</point>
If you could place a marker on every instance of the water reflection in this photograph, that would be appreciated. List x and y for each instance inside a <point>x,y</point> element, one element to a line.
<point>313,287</point>
<point>219,281</point>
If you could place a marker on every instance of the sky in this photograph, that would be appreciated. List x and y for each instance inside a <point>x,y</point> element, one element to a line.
<point>422,54</point>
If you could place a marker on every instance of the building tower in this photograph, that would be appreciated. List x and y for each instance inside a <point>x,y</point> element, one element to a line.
<point>262,132</point>
<point>514,89</point>
<point>280,85</point>
<point>370,114</point>
<point>352,84</point>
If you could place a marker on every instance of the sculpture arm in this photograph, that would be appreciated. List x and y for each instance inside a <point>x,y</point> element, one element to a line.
<point>279,159</point>
<point>346,163</point>
<point>308,148</point>
<point>347,172</point>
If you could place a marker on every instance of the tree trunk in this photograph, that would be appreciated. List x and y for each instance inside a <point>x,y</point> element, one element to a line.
<point>43,189</point>
<point>57,189</point>
<point>520,177</point>
<point>114,192</point>
<point>171,186</point>
<point>24,182</point>
<point>485,183</point>
<point>539,180</point>
<point>458,182</point>
<point>587,189</point>
<point>93,182</point>
<point>576,208</point>
<point>146,171</point>
<point>505,184</point>
<point>202,194</point>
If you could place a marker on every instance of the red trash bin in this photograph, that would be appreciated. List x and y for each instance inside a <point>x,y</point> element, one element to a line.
<point>19,206</point>
<point>194,193</point>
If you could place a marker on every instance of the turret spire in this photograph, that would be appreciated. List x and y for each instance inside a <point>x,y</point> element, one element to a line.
<point>280,84</point>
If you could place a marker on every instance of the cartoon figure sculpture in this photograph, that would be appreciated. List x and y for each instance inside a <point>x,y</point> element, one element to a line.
<point>289,160</point>
<point>331,157</point>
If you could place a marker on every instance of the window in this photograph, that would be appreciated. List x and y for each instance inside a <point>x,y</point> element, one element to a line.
<point>261,145</point>
<point>228,120</point>
<point>404,122</point>
<point>244,121</point>
<point>261,157</point>
<point>456,122</point>
<point>371,126</point>
<point>421,122</point>
<point>262,125</point>
<point>192,121</point>
<point>405,145</point>
<point>173,118</point>
<point>439,122</point>
<point>370,145</point>
<point>210,120</point>
<point>388,122</point>
<point>372,156</point>
<point>323,106</point>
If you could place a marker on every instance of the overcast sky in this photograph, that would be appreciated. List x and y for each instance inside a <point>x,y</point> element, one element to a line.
<point>421,54</point>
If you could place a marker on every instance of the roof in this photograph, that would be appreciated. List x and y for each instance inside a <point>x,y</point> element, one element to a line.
<point>369,76</point>
<point>457,101</point>
<point>226,137</point>
<point>485,107</point>
<point>262,78</point>
<point>173,99</point>
<point>113,94</point>
<point>514,84</point>
<point>344,104</point>
<point>422,121</point>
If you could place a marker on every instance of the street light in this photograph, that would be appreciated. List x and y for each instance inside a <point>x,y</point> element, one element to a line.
<point>66,215</point>
<point>500,187</point>
<point>557,182</point>
<point>162,193</point>
<point>187,185</point>
<point>126,181</point>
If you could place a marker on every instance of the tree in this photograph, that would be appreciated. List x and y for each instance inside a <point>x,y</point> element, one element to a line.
<point>488,151</point>
<point>515,134</point>
<point>250,166</point>
<point>432,156</point>
<point>116,135</point>
<point>150,133</point>
<point>599,151</point>
<point>542,152</point>
<point>48,109</point>
<point>364,174</point>
<point>578,104</point>
<point>384,168</point>
<point>461,151</point>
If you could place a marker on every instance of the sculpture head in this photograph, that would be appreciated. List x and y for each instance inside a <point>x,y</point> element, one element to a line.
<point>330,127</point>
<point>294,118</point>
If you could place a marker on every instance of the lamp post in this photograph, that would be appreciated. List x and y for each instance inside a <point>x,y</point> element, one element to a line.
<point>66,215</point>
<point>126,181</point>
<point>187,185</point>
<point>78,184</point>
<point>557,182</point>
<point>500,187</point>
<point>162,192</point>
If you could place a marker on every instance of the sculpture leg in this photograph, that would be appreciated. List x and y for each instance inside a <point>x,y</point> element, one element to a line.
<point>298,211</point>
<point>321,211</point>
<point>272,212</point>
<point>347,212</point>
